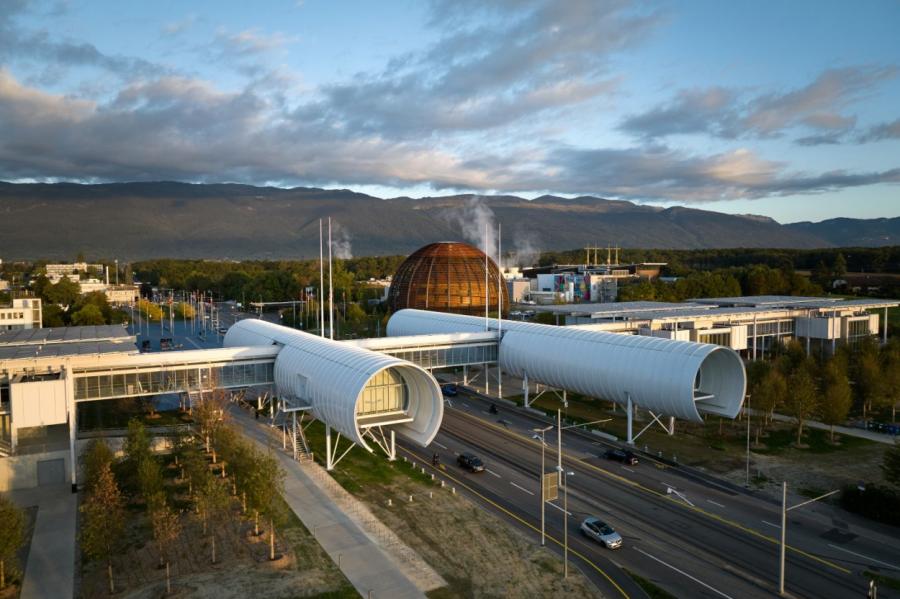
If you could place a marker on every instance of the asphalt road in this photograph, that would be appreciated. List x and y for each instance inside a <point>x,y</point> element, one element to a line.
<point>700,539</point>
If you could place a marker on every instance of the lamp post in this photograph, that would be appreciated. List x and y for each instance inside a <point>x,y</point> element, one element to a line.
<point>539,434</point>
<point>784,510</point>
<point>562,476</point>
<point>747,411</point>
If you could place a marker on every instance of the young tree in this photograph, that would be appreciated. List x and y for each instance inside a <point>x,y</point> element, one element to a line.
<point>166,530</point>
<point>891,379</point>
<point>263,487</point>
<point>88,315</point>
<point>769,393</point>
<point>802,397</point>
<point>211,413</point>
<point>150,479</point>
<point>137,450</point>
<point>103,521</point>
<point>97,456</point>
<point>836,397</point>
<point>12,535</point>
<point>195,467</point>
<point>212,500</point>
<point>869,382</point>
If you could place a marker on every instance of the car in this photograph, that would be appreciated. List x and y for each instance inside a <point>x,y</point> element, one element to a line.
<point>450,390</point>
<point>470,462</point>
<point>618,455</point>
<point>600,531</point>
<point>222,330</point>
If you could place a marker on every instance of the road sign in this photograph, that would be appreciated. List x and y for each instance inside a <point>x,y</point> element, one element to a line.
<point>550,486</point>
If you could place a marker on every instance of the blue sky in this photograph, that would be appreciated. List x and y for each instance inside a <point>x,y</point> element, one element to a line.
<point>787,109</point>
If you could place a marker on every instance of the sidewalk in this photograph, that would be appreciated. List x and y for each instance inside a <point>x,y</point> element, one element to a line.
<point>841,430</point>
<point>50,569</point>
<point>372,558</point>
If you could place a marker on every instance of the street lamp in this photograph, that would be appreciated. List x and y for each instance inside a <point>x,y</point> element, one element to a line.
<point>747,411</point>
<point>539,434</point>
<point>563,475</point>
<point>784,510</point>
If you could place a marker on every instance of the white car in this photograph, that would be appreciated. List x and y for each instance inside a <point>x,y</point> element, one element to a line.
<point>601,532</point>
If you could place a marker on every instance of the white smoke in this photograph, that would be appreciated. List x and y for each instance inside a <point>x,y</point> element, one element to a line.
<point>476,222</point>
<point>340,241</point>
<point>526,248</point>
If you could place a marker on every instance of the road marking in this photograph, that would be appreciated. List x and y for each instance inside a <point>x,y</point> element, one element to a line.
<point>871,559</point>
<point>648,490</point>
<point>522,488</point>
<point>559,508</point>
<point>527,524</point>
<point>441,445</point>
<point>770,524</point>
<point>715,503</point>
<point>683,573</point>
<point>489,471</point>
<point>627,468</point>
<point>671,486</point>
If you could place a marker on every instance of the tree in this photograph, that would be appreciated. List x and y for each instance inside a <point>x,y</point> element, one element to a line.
<point>97,456</point>
<point>64,292</point>
<point>150,479</point>
<point>103,520</point>
<point>87,316</point>
<point>769,393</point>
<point>869,382</point>
<point>840,266</point>
<point>891,378</point>
<point>212,501</point>
<point>211,412</point>
<point>263,487</point>
<point>166,530</point>
<point>821,274</point>
<point>891,465</point>
<point>802,397</point>
<point>12,535</point>
<point>195,467</point>
<point>52,316</point>
<point>836,397</point>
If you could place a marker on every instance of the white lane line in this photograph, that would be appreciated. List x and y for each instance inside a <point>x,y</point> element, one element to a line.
<point>668,485</point>
<point>441,445</point>
<point>871,559</point>
<point>715,503</point>
<point>627,468</point>
<point>523,489</point>
<point>770,524</point>
<point>489,471</point>
<point>683,573</point>
<point>559,508</point>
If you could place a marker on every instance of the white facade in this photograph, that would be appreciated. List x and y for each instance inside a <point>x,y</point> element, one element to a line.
<point>343,382</point>
<point>675,378</point>
<point>25,313</point>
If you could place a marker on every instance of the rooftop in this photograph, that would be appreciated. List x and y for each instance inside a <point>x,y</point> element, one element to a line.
<point>65,335</point>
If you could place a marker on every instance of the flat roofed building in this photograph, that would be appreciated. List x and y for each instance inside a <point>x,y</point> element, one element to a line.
<point>24,313</point>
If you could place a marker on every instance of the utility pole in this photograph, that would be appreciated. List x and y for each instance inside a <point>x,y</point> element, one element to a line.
<point>747,412</point>
<point>784,510</point>
<point>542,432</point>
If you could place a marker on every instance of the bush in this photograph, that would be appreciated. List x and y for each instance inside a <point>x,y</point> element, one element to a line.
<point>877,503</point>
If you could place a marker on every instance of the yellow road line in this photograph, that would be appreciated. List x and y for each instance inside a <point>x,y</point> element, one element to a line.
<point>637,485</point>
<point>522,521</point>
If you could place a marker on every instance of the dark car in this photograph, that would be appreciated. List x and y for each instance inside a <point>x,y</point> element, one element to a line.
<point>450,390</point>
<point>626,457</point>
<point>470,462</point>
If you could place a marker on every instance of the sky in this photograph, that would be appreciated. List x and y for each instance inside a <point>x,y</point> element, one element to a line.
<point>785,109</point>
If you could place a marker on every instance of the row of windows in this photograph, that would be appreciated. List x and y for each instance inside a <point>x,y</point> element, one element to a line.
<point>12,315</point>
<point>186,379</point>
<point>449,356</point>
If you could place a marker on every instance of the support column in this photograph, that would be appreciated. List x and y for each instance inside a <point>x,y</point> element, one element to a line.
<point>525,389</point>
<point>465,375</point>
<point>629,410</point>
<point>565,399</point>
<point>294,432</point>
<point>487,379</point>
<point>328,465</point>
<point>754,338</point>
<point>73,429</point>
<point>671,428</point>
<point>499,381</point>
<point>393,446</point>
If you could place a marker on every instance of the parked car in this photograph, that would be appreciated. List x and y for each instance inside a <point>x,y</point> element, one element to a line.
<point>618,455</point>
<point>470,462</point>
<point>165,343</point>
<point>222,330</point>
<point>450,390</point>
<point>600,531</point>
<point>145,345</point>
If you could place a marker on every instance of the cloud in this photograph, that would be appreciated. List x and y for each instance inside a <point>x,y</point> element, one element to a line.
<point>881,131</point>
<point>732,114</point>
<point>522,59</point>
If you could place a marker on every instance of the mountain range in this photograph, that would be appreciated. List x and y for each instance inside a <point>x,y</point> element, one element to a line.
<point>132,221</point>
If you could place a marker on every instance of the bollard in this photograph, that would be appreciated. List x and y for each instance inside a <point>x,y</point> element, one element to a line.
<point>645,449</point>
<point>443,484</point>
<point>675,458</point>
<point>340,557</point>
<point>430,495</point>
<point>453,490</point>
<point>423,470</point>
<point>659,454</point>
<point>410,498</point>
<point>432,477</point>
<point>389,503</point>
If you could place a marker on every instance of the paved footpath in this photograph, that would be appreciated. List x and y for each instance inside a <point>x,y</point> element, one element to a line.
<point>369,569</point>
<point>50,568</point>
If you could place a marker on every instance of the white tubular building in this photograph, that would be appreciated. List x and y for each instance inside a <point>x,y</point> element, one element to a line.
<point>674,378</point>
<point>348,388</point>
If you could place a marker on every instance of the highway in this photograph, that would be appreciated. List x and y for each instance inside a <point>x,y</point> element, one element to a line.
<point>690,536</point>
